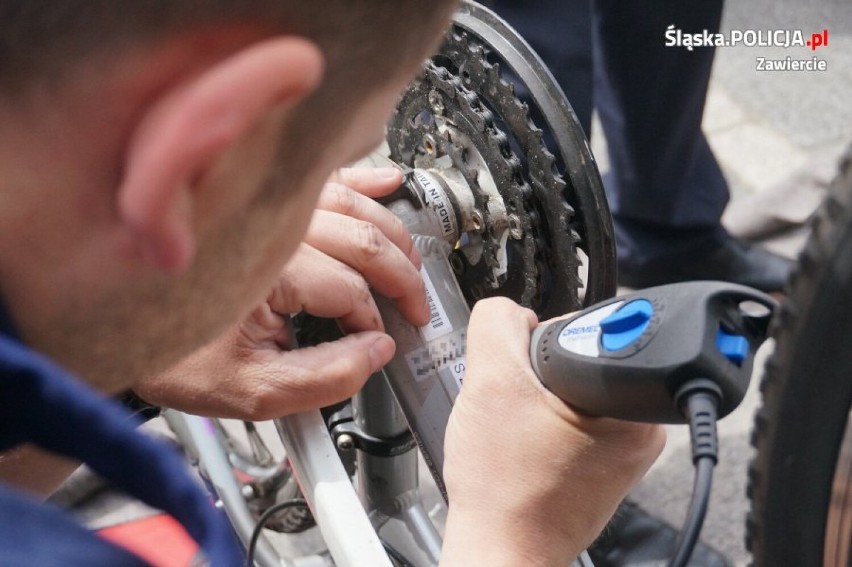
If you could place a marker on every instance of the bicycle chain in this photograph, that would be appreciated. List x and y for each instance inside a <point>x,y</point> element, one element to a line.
<point>463,87</point>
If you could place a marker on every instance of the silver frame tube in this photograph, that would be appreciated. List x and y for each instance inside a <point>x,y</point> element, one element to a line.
<point>347,531</point>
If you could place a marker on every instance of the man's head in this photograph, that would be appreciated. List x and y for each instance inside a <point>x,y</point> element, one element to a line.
<point>161,159</point>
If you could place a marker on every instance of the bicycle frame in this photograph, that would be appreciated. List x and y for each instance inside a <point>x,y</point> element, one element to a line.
<point>418,396</point>
<point>345,527</point>
<point>388,484</point>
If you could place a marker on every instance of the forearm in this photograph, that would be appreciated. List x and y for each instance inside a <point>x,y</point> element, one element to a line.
<point>34,470</point>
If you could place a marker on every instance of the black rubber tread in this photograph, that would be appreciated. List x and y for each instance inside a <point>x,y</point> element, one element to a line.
<point>807,392</point>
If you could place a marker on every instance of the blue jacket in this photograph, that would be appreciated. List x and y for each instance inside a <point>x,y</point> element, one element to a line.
<point>45,405</point>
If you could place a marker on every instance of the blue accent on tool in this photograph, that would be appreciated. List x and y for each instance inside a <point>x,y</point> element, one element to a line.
<point>734,347</point>
<point>622,328</point>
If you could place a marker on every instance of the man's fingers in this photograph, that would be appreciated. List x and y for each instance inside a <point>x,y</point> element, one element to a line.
<point>364,247</point>
<point>338,198</point>
<point>318,376</point>
<point>361,233</point>
<point>369,181</point>
<point>322,286</point>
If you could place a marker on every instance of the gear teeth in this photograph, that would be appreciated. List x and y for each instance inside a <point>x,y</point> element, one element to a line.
<point>541,245</point>
<point>494,78</point>
<point>538,135</point>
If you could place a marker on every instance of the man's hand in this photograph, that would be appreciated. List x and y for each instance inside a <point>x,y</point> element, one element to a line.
<point>530,482</point>
<point>353,244</point>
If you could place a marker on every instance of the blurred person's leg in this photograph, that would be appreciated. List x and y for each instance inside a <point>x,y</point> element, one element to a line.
<point>665,188</point>
<point>664,181</point>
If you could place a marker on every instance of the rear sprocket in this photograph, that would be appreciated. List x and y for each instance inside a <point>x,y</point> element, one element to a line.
<point>462,113</point>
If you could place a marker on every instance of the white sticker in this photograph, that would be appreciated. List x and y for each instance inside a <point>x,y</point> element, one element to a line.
<point>439,324</point>
<point>581,335</point>
<point>457,370</point>
<point>437,200</point>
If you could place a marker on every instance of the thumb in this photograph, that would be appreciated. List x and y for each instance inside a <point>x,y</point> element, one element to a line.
<point>499,329</point>
<point>317,376</point>
<point>369,181</point>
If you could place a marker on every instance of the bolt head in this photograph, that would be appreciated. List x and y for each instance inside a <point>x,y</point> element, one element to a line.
<point>477,221</point>
<point>430,144</point>
<point>345,442</point>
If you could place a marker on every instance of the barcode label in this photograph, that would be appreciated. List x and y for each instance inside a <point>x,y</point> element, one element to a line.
<point>439,324</point>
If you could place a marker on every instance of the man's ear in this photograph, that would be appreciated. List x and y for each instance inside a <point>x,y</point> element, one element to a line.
<point>185,130</point>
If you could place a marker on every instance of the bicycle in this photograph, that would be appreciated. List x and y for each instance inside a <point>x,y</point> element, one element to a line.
<point>496,252</point>
<point>498,206</point>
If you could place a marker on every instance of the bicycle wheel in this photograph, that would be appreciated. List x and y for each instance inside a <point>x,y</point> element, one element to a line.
<point>800,481</point>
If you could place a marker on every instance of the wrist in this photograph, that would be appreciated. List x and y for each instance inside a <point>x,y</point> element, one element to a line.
<point>500,538</point>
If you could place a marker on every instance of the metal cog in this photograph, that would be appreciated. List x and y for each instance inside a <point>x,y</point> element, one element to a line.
<point>559,165</point>
<point>439,111</point>
<point>548,186</point>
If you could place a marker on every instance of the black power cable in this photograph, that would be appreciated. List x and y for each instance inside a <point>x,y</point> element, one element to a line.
<point>699,401</point>
<point>397,557</point>
<point>263,520</point>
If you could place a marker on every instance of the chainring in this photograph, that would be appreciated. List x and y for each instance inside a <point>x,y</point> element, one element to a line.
<point>425,139</point>
<point>461,109</point>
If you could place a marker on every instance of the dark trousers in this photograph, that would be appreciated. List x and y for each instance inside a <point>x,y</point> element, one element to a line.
<point>665,188</point>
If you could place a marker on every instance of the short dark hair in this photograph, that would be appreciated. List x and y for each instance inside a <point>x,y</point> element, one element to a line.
<point>40,40</point>
<point>43,42</point>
